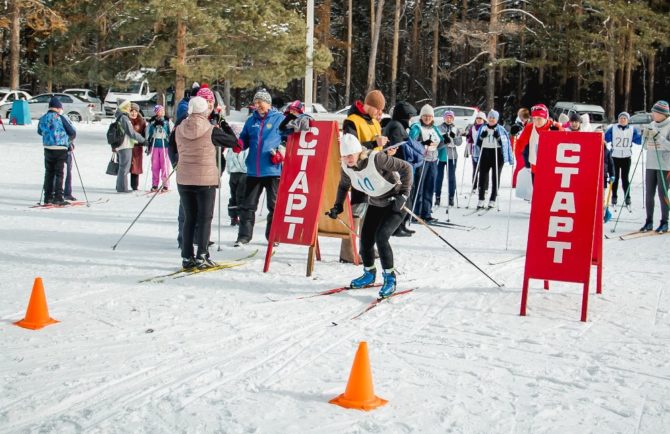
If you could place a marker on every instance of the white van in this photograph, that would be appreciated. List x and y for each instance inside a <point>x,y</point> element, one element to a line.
<point>596,113</point>
<point>133,87</point>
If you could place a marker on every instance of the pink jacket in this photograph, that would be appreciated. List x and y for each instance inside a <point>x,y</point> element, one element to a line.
<point>197,153</point>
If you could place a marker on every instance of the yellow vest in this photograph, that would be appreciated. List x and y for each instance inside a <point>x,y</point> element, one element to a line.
<point>366,132</point>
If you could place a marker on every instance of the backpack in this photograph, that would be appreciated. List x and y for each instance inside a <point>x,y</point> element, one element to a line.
<point>413,150</point>
<point>115,134</point>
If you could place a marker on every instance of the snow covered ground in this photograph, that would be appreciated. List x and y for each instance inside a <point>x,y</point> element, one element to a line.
<point>211,353</point>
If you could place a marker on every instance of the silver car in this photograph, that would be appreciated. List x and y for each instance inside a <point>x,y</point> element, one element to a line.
<point>87,95</point>
<point>76,109</point>
<point>8,96</point>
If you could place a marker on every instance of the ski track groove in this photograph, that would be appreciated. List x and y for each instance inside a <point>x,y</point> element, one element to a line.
<point>658,303</point>
<point>639,418</point>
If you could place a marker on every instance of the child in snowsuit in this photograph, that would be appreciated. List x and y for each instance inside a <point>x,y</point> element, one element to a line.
<point>159,132</point>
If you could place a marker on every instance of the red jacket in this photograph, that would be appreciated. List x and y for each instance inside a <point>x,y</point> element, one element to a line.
<point>524,139</point>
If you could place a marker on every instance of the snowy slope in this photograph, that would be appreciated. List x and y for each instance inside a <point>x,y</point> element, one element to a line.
<point>211,353</point>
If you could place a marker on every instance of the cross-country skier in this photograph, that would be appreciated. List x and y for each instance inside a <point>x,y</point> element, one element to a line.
<point>620,139</point>
<point>493,141</point>
<point>529,140</point>
<point>387,181</point>
<point>657,142</point>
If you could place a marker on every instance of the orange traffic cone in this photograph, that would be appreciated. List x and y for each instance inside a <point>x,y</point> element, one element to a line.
<point>360,393</point>
<point>37,315</point>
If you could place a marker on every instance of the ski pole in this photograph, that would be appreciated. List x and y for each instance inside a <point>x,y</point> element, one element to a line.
<point>418,189</point>
<point>143,209</point>
<point>448,187</point>
<point>474,178</point>
<point>420,220</point>
<point>644,182</point>
<point>41,194</point>
<point>497,175</point>
<point>623,203</point>
<point>666,199</point>
<point>218,164</point>
<point>353,232</point>
<point>76,166</point>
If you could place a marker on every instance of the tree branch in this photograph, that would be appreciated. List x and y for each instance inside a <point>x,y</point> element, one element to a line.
<point>521,11</point>
<point>466,64</point>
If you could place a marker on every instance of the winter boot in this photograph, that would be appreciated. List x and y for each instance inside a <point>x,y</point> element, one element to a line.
<point>388,287</point>
<point>367,279</point>
<point>662,228</point>
<point>647,227</point>
<point>234,221</point>
<point>451,201</point>
<point>628,201</point>
<point>613,200</point>
<point>202,261</point>
<point>492,204</point>
<point>59,201</point>
<point>437,201</point>
<point>188,263</point>
<point>480,204</point>
<point>154,188</point>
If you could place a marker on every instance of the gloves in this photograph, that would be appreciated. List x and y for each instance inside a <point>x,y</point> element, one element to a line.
<point>277,157</point>
<point>335,211</point>
<point>496,134</point>
<point>452,134</point>
<point>237,148</point>
<point>484,133</point>
<point>398,202</point>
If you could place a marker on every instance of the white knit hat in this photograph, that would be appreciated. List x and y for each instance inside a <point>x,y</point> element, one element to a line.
<point>427,110</point>
<point>198,104</point>
<point>349,145</point>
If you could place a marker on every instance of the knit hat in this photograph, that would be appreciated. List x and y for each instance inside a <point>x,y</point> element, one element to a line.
<point>449,113</point>
<point>494,115</point>
<point>158,108</point>
<point>661,107</point>
<point>296,105</point>
<point>135,106</point>
<point>624,115</point>
<point>574,117</point>
<point>427,110</point>
<point>539,111</point>
<point>375,99</point>
<point>195,85</point>
<point>263,95</point>
<point>197,105</point>
<point>349,145</point>
<point>55,103</point>
<point>563,118</point>
<point>206,93</point>
<point>124,105</point>
<point>481,115</point>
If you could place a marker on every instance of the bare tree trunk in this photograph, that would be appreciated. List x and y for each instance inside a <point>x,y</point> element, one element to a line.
<point>373,21</point>
<point>14,44</point>
<point>50,75</point>
<point>492,48</point>
<point>652,77</point>
<point>543,60</point>
<point>372,64</point>
<point>436,54</point>
<point>324,24</point>
<point>611,72</point>
<point>394,53</point>
<point>180,79</point>
<point>628,80</point>
<point>414,49</point>
<point>464,10</point>
<point>347,85</point>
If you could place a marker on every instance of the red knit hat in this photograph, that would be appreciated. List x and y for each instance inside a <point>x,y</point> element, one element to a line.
<point>539,111</point>
<point>206,93</point>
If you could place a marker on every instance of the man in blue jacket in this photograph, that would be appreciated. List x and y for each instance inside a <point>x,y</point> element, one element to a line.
<point>56,132</point>
<point>261,136</point>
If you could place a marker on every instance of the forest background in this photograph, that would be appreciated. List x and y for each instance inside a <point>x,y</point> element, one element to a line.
<point>502,54</point>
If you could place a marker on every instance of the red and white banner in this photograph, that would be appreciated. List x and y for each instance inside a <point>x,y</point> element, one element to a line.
<point>564,214</point>
<point>301,186</point>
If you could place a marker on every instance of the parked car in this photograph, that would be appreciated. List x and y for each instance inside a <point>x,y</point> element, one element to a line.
<point>463,116</point>
<point>640,119</point>
<point>8,96</point>
<point>76,109</point>
<point>147,106</point>
<point>133,86</point>
<point>319,113</point>
<point>87,95</point>
<point>596,113</point>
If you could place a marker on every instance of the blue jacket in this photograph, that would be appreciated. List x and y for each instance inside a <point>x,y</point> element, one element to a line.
<point>503,141</point>
<point>56,131</point>
<point>182,109</point>
<point>260,135</point>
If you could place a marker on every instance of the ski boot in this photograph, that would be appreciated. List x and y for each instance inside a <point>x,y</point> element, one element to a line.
<point>480,204</point>
<point>647,227</point>
<point>492,204</point>
<point>662,228</point>
<point>628,201</point>
<point>367,279</point>
<point>188,263</point>
<point>202,261</point>
<point>388,287</point>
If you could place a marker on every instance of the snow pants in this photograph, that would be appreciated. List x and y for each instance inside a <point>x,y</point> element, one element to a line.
<point>654,184</point>
<point>160,167</point>
<point>490,158</point>
<point>124,168</point>
<point>198,203</point>
<point>247,212</point>
<point>621,171</point>
<point>378,226</point>
<point>237,184</point>
<point>54,161</point>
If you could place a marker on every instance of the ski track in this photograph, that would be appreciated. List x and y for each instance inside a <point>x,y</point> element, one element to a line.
<point>452,356</point>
